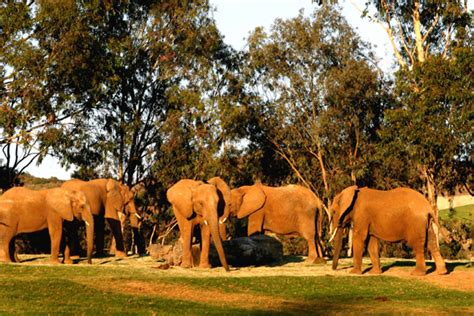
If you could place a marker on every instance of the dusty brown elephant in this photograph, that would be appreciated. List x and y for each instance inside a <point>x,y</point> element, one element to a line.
<point>107,197</point>
<point>394,215</point>
<point>282,210</point>
<point>196,203</point>
<point>25,211</point>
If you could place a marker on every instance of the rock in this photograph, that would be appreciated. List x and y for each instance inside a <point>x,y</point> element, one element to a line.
<point>240,252</point>
<point>159,251</point>
<point>255,250</point>
<point>173,254</point>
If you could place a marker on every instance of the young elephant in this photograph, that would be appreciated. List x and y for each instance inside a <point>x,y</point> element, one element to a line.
<point>196,203</point>
<point>282,210</point>
<point>394,215</point>
<point>25,211</point>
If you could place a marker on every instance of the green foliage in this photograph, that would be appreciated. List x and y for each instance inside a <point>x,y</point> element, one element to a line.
<point>317,101</point>
<point>430,129</point>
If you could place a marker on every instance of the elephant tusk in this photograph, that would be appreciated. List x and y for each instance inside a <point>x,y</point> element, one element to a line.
<point>222,221</point>
<point>205,222</point>
<point>138,216</point>
<point>333,234</point>
<point>87,223</point>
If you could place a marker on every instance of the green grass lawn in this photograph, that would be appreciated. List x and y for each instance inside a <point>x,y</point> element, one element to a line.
<point>101,289</point>
<point>465,213</point>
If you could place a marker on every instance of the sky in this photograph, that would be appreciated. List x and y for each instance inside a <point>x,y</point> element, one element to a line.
<point>236,19</point>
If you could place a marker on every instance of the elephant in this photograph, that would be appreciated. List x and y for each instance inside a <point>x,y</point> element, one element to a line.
<point>196,203</point>
<point>107,197</point>
<point>282,210</point>
<point>393,215</point>
<point>25,211</point>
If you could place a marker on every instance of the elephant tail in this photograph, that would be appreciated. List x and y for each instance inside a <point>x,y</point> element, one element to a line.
<point>434,223</point>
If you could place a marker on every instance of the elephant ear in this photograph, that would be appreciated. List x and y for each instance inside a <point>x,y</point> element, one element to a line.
<point>60,201</point>
<point>114,200</point>
<point>253,199</point>
<point>346,203</point>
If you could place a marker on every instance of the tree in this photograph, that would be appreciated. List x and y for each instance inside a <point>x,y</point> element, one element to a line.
<point>46,52</point>
<point>318,99</point>
<point>432,128</point>
<point>418,29</point>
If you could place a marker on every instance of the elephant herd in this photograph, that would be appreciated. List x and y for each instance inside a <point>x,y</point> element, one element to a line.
<point>24,210</point>
<point>394,215</point>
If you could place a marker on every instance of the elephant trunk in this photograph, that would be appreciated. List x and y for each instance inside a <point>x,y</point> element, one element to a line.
<point>337,248</point>
<point>214,227</point>
<point>87,217</point>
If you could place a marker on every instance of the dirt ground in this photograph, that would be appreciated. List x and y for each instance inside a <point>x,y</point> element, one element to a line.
<point>460,277</point>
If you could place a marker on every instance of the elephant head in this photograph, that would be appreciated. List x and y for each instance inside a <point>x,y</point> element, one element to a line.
<point>223,207</point>
<point>70,204</point>
<point>247,200</point>
<point>341,211</point>
<point>128,197</point>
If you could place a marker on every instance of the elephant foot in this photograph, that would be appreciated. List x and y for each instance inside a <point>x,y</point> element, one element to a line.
<point>186,265</point>
<point>54,261</point>
<point>418,272</point>
<point>375,271</point>
<point>205,265</point>
<point>68,261</point>
<point>316,260</point>
<point>441,271</point>
<point>356,271</point>
<point>120,254</point>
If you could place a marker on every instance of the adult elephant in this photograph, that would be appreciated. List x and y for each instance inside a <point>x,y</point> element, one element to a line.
<point>196,203</point>
<point>107,197</point>
<point>282,210</point>
<point>394,215</point>
<point>25,211</point>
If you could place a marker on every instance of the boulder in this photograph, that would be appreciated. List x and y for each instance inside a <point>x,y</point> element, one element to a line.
<point>255,250</point>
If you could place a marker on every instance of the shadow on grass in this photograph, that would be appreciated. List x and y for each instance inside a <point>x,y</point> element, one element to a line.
<point>450,266</point>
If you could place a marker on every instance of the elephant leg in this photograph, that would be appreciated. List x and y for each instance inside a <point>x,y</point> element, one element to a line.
<point>5,247</point>
<point>99,223</point>
<point>55,227</point>
<point>358,240</point>
<point>139,241</point>
<point>117,232</point>
<point>68,234</point>
<point>418,246</point>
<point>374,255</point>
<point>12,249</point>
<point>186,231</point>
<point>433,247</point>
<point>205,244</point>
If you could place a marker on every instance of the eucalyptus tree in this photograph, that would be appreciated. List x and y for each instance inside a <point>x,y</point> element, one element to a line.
<point>318,96</point>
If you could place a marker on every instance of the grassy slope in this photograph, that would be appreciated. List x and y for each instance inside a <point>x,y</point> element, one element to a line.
<point>105,289</point>
<point>464,213</point>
